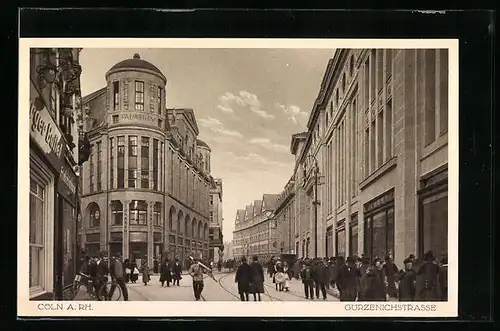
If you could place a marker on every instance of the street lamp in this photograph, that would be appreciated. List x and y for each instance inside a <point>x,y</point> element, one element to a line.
<point>315,202</point>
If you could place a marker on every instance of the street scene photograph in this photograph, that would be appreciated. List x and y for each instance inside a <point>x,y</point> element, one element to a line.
<point>238,174</point>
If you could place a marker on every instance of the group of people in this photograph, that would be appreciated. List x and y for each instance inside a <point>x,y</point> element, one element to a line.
<point>99,269</point>
<point>170,272</point>
<point>360,279</point>
<point>250,279</point>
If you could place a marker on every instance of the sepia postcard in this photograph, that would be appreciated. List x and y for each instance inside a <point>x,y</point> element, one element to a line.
<point>238,177</point>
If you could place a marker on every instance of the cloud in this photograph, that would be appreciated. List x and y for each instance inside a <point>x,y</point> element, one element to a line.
<point>293,112</point>
<point>216,126</point>
<point>225,109</point>
<point>268,144</point>
<point>243,99</point>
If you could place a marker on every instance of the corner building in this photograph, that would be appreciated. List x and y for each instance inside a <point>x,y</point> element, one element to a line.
<point>379,131</point>
<point>145,186</point>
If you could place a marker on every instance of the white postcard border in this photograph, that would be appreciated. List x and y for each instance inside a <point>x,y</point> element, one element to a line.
<point>28,308</point>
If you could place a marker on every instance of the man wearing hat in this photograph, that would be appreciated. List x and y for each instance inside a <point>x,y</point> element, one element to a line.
<point>196,271</point>
<point>348,280</point>
<point>427,279</point>
<point>406,279</point>
<point>307,279</point>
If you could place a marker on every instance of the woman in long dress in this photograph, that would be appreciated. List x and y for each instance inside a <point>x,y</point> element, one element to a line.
<point>145,273</point>
<point>257,284</point>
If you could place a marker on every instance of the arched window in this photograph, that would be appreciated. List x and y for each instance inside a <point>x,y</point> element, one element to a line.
<point>94,215</point>
<point>186,225</point>
<point>205,232</point>
<point>116,212</point>
<point>138,213</point>
<point>171,214</point>
<point>193,228</point>
<point>200,230</point>
<point>157,214</point>
<point>180,218</point>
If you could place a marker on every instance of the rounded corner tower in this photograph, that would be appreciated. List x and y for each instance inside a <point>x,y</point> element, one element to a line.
<point>136,95</point>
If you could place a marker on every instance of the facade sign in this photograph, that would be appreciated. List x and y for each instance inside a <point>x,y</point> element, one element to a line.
<point>67,183</point>
<point>141,237</point>
<point>143,117</point>
<point>44,130</point>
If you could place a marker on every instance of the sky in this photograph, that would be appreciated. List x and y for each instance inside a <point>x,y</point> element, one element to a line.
<point>247,102</point>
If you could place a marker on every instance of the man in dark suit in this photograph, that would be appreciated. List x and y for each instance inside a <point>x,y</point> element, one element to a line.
<point>117,272</point>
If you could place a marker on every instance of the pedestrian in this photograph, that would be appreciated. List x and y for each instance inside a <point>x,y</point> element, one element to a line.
<point>135,273</point>
<point>349,280</point>
<point>145,270</point>
<point>296,269</point>
<point>363,277</point>
<point>321,275</point>
<point>391,271</point>
<point>443,279</point>
<point>243,278</point>
<point>156,265</point>
<point>128,271</point>
<point>165,273</point>
<point>117,273</point>
<point>375,290</point>
<point>257,285</point>
<point>407,279</point>
<point>196,273</point>
<point>101,272</point>
<point>279,276</point>
<point>176,272</point>
<point>307,279</point>
<point>427,279</point>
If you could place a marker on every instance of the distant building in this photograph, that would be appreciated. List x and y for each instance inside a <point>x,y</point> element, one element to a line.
<point>255,229</point>
<point>146,187</point>
<point>228,250</point>
<point>215,221</point>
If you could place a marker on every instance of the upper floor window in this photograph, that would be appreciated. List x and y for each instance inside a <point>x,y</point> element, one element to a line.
<point>139,95</point>
<point>211,199</point>
<point>116,95</point>
<point>116,212</point>
<point>158,99</point>
<point>138,212</point>
<point>157,213</point>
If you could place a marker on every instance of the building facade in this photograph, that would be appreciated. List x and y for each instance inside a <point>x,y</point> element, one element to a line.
<point>54,145</point>
<point>378,133</point>
<point>146,184</point>
<point>216,222</point>
<point>255,229</point>
<point>285,219</point>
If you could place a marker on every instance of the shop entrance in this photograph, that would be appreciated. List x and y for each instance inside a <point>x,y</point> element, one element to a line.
<point>138,250</point>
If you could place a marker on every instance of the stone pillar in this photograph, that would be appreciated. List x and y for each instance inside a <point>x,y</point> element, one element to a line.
<point>150,170</point>
<point>348,155</point>
<point>125,243</point>
<point>150,233</point>
<point>125,165</point>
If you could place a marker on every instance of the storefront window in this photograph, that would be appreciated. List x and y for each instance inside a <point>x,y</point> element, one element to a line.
<point>37,228</point>
<point>341,242</point>
<point>353,240</point>
<point>435,224</point>
<point>379,235</point>
<point>138,212</point>
<point>68,217</point>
